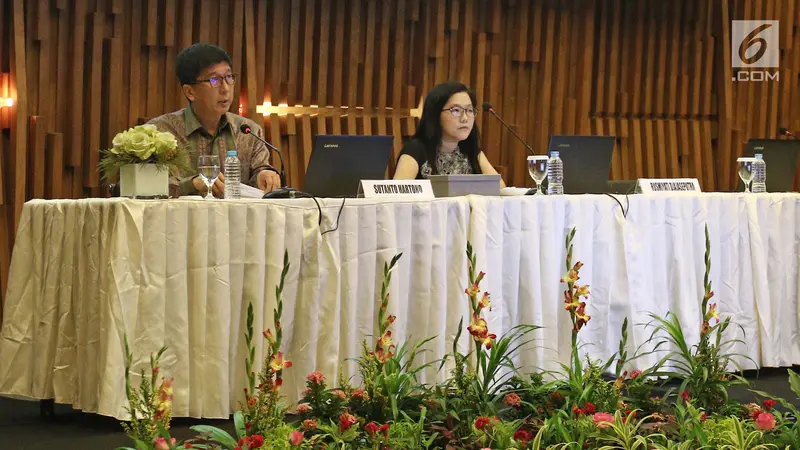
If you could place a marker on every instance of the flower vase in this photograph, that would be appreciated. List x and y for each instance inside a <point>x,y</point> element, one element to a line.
<point>143,180</point>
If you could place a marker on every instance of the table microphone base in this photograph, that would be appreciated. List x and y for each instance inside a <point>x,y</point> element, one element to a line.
<point>285,192</point>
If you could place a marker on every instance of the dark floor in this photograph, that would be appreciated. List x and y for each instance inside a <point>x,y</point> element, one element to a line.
<point>22,428</point>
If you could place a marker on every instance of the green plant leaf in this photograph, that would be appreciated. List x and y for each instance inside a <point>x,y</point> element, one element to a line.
<point>217,435</point>
<point>238,422</point>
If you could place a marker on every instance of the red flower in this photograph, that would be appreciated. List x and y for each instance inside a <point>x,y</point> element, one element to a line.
<point>577,411</point>
<point>703,417</point>
<point>315,378</point>
<point>187,445</point>
<point>251,401</point>
<point>522,437</point>
<point>385,430</point>
<point>482,422</point>
<point>513,400</point>
<point>371,429</point>
<point>589,408</point>
<point>391,319</point>
<point>346,421</point>
<point>303,408</point>
<point>635,374</point>
<point>296,438</point>
<point>769,404</point>
<point>685,396</point>
<point>256,441</point>
<point>765,421</point>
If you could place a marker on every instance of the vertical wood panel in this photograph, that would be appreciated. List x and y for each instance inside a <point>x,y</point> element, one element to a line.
<point>658,75</point>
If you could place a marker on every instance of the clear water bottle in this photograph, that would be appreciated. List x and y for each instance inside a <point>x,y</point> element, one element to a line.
<point>759,174</point>
<point>555,175</point>
<point>232,171</point>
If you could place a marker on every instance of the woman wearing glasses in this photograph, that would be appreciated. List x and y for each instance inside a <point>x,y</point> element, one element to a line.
<point>447,141</point>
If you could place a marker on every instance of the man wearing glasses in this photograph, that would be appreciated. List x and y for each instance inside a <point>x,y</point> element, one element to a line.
<point>206,127</point>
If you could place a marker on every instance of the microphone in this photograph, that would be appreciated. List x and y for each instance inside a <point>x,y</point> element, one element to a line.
<point>245,128</point>
<point>785,132</point>
<point>487,107</point>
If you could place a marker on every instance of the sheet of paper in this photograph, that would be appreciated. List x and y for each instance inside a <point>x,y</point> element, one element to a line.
<point>250,192</point>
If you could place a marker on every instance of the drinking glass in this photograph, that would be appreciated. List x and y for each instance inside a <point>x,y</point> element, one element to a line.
<point>537,169</point>
<point>208,165</point>
<point>746,171</point>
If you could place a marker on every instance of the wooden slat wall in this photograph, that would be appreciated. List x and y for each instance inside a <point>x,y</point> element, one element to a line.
<point>656,74</point>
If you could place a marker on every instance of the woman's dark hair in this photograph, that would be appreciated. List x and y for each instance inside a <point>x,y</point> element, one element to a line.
<point>193,60</point>
<point>429,130</point>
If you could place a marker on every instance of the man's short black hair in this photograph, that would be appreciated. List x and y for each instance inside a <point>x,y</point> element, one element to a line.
<point>196,58</point>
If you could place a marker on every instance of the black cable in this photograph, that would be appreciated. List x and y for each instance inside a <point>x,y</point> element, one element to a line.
<point>627,202</point>
<point>338,216</point>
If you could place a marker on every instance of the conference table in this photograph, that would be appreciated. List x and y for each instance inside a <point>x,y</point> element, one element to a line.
<point>86,273</point>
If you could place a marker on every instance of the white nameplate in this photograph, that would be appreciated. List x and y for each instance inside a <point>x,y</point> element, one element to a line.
<point>397,188</point>
<point>655,185</point>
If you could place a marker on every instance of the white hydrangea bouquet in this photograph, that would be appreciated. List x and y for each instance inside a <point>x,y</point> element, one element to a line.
<point>142,158</point>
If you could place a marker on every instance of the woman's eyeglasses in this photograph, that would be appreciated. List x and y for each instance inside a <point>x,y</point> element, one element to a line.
<point>215,81</point>
<point>457,111</point>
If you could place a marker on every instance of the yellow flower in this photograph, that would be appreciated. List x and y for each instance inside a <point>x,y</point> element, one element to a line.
<point>582,291</point>
<point>278,363</point>
<point>570,277</point>
<point>486,302</point>
<point>386,339</point>
<point>478,327</point>
<point>475,289</point>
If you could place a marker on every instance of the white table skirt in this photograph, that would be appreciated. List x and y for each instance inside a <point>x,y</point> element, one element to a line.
<point>651,261</point>
<point>83,272</point>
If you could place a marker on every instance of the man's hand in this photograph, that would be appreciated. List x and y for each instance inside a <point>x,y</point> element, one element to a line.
<point>268,181</point>
<point>218,189</point>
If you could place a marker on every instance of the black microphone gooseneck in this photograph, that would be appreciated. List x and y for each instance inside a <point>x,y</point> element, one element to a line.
<point>247,130</point>
<point>487,107</point>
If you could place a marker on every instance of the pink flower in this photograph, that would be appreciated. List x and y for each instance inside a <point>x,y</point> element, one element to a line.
<point>296,438</point>
<point>359,394</point>
<point>161,443</point>
<point>303,408</point>
<point>635,374</point>
<point>339,393</point>
<point>603,420</point>
<point>309,424</point>
<point>765,421</point>
<point>315,377</point>
<point>512,399</point>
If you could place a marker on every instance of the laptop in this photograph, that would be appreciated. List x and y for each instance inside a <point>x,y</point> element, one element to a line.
<point>781,158</point>
<point>587,162</point>
<point>339,163</point>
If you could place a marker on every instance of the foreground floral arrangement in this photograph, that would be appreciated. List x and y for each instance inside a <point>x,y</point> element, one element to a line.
<point>144,144</point>
<point>680,403</point>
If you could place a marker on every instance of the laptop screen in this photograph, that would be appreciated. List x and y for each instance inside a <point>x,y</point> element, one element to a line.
<point>587,162</point>
<point>339,163</point>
